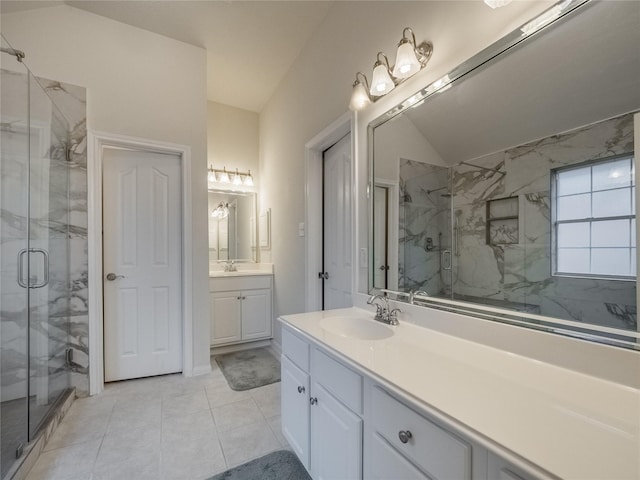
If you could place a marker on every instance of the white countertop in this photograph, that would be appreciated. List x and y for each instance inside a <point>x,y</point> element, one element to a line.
<point>570,424</point>
<point>243,270</point>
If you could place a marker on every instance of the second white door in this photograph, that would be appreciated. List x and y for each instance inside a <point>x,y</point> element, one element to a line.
<point>337,225</point>
<point>142,264</point>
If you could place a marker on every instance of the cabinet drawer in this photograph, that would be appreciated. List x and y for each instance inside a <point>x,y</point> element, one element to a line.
<point>343,383</point>
<point>248,282</point>
<point>296,349</point>
<point>440,454</point>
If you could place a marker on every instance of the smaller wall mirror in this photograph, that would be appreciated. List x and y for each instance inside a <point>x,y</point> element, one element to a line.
<point>232,227</point>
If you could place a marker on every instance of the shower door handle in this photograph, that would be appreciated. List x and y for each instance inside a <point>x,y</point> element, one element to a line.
<point>45,258</point>
<point>21,281</point>
<point>446,259</point>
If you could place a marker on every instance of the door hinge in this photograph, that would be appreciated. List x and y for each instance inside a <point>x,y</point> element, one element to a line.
<point>323,275</point>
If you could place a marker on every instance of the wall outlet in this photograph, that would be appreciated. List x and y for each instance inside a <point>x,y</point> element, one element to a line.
<point>301,229</point>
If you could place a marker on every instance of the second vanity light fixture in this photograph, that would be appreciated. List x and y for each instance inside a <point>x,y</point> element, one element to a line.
<point>410,59</point>
<point>233,178</point>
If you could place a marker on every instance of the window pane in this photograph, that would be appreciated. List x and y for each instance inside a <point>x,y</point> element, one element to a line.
<point>573,235</point>
<point>577,180</point>
<point>611,261</point>
<point>633,232</point>
<point>633,201</point>
<point>610,233</point>
<point>612,174</point>
<point>573,260</point>
<point>633,262</point>
<point>575,206</point>
<point>610,203</point>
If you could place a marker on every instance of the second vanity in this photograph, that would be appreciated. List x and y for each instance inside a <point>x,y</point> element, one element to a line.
<point>361,399</point>
<point>241,304</point>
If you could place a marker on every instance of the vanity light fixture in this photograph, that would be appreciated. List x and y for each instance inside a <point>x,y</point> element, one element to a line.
<point>410,59</point>
<point>238,178</point>
<point>360,96</point>
<point>381,81</point>
<point>497,3</point>
<point>221,211</point>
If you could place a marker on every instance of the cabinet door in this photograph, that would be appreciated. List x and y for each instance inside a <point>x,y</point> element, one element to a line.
<point>336,438</point>
<point>295,409</point>
<point>225,317</point>
<point>256,314</point>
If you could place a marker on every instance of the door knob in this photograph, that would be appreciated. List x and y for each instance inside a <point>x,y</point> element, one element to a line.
<point>112,276</point>
<point>324,275</point>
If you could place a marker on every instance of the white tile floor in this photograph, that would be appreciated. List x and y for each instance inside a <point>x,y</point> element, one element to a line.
<point>167,427</point>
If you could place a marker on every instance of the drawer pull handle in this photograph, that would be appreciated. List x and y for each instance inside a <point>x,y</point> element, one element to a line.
<point>404,436</point>
<point>313,400</point>
<point>300,389</point>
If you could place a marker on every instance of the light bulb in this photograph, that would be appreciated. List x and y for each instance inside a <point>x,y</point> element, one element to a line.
<point>237,180</point>
<point>359,97</point>
<point>406,62</point>
<point>211,177</point>
<point>497,3</point>
<point>248,180</point>
<point>381,83</point>
<point>224,176</point>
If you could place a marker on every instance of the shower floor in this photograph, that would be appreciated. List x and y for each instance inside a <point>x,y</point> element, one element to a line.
<point>15,421</point>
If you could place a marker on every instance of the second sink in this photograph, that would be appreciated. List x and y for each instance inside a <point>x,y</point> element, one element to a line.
<point>356,327</point>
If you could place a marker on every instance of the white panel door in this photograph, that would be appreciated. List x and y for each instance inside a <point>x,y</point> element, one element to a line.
<point>337,225</point>
<point>336,438</point>
<point>142,227</point>
<point>256,314</point>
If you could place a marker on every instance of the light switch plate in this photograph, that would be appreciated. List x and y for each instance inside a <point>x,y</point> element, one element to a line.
<point>301,229</point>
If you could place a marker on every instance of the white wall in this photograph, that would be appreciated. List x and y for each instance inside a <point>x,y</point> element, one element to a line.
<point>316,91</point>
<point>232,139</point>
<point>138,84</point>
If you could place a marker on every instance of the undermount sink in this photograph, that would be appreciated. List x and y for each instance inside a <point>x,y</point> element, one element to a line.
<point>356,327</point>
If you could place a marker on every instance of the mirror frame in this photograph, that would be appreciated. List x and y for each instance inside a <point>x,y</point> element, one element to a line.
<point>595,333</point>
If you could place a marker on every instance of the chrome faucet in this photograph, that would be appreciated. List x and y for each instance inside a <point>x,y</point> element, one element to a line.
<point>413,294</point>
<point>383,312</point>
<point>230,266</point>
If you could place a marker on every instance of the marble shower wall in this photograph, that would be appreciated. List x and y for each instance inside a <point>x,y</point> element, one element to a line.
<point>519,275</point>
<point>58,224</point>
<point>424,214</point>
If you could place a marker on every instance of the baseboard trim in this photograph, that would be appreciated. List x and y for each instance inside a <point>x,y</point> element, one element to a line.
<point>240,346</point>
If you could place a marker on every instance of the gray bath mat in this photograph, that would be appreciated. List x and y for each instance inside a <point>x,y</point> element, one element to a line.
<point>249,368</point>
<point>280,465</point>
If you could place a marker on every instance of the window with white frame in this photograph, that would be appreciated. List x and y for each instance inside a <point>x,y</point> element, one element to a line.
<point>594,219</point>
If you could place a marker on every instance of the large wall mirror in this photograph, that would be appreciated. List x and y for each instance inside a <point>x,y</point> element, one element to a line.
<point>509,192</point>
<point>232,227</point>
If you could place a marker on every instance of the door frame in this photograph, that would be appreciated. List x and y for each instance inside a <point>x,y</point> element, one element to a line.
<point>313,151</point>
<point>393,212</point>
<point>98,141</point>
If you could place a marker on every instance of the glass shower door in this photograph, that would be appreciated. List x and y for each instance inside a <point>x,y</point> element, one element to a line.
<point>34,253</point>
<point>14,234</point>
<point>48,256</point>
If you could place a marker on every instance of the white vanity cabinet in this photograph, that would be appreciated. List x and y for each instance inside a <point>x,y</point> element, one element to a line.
<point>500,469</point>
<point>323,423</point>
<point>240,308</point>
